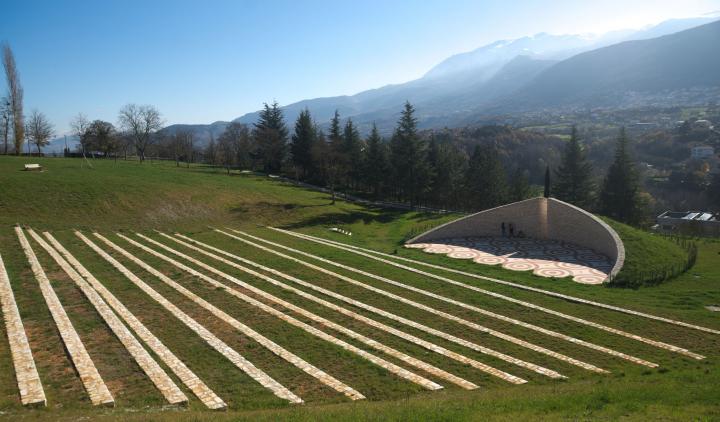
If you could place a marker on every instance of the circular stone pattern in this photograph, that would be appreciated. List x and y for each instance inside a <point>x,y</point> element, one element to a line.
<point>545,258</point>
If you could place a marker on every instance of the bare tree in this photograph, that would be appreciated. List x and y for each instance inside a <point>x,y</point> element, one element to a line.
<point>15,94</point>
<point>79,126</point>
<point>227,148</point>
<point>39,130</point>
<point>5,118</point>
<point>189,147</point>
<point>140,122</point>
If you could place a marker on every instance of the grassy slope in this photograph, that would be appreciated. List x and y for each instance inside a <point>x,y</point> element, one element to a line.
<point>127,196</point>
<point>647,253</point>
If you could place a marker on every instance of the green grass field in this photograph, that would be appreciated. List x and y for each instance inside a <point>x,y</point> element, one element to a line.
<point>127,197</point>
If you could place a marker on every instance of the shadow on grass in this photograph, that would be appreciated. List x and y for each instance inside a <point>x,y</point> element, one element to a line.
<point>369,215</point>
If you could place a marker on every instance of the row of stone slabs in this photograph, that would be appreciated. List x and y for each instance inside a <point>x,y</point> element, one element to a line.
<point>32,392</point>
<point>29,382</point>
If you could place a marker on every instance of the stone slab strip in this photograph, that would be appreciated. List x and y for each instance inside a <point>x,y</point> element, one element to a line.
<point>28,380</point>
<point>405,336</point>
<point>195,384</point>
<point>528,288</point>
<point>312,330</point>
<point>602,327</point>
<point>439,297</point>
<point>213,341</point>
<point>472,346</point>
<point>91,379</point>
<point>145,361</point>
<point>448,316</point>
<point>325,322</point>
<point>280,351</point>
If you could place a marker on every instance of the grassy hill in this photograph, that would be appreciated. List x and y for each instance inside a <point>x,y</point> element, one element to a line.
<point>129,197</point>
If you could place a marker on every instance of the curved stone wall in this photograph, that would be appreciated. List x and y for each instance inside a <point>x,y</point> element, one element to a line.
<point>540,218</point>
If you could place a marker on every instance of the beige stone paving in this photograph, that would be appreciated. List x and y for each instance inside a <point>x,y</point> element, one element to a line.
<point>91,379</point>
<point>470,307</point>
<point>545,258</point>
<point>28,380</point>
<point>413,339</point>
<point>606,328</point>
<point>197,386</point>
<point>495,333</point>
<point>228,352</point>
<point>523,287</point>
<point>157,375</point>
<point>285,354</point>
<point>378,361</point>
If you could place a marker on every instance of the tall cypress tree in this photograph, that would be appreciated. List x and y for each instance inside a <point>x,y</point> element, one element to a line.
<point>271,137</point>
<point>486,179</point>
<point>620,196</point>
<point>375,162</point>
<point>302,143</point>
<point>409,158</point>
<point>573,178</point>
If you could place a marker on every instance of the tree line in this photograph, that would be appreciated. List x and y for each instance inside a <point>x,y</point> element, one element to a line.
<point>420,171</point>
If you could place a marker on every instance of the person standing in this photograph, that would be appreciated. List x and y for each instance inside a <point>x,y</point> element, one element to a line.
<point>511,228</point>
<point>502,228</point>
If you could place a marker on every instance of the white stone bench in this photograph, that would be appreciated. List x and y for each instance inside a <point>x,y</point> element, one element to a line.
<point>33,167</point>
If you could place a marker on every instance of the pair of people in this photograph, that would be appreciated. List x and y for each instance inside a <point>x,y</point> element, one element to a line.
<point>510,227</point>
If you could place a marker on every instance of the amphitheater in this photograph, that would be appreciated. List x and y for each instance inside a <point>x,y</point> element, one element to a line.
<point>550,237</point>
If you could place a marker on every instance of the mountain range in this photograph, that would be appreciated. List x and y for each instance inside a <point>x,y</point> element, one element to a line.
<point>532,73</point>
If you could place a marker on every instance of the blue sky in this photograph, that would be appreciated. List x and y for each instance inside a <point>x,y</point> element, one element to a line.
<point>202,61</point>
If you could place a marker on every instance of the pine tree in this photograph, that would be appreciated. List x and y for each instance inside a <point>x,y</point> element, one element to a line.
<point>336,149</point>
<point>375,162</point>
<point>408,155</point>
<point>519,186</point>
<point>271,135</point>
<point>573,178</point>
<point>302,143</point>
<point>448,168</point>
<point>486,179</point>
<point>620,196</point>
<point>352,149</point>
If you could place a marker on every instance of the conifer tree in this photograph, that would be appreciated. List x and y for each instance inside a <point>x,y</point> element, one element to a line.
<point>486,178</point>
<point>620,196</point>
<point>302,143</point>
<point>519,186</point>
<point>336,149</point>
<point>408,155</point>
<point>573,178</point>
<point>448,169</point>
<point>352,149</point>
<point>375,163</point>
<point>271,135</point>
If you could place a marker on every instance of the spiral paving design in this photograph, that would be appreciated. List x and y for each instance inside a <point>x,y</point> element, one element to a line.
<point>545,258</point>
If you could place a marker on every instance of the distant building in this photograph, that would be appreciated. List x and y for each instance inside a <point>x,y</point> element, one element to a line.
<point>700,223</point>
<point>702,124</point>
<point>701,152</point>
